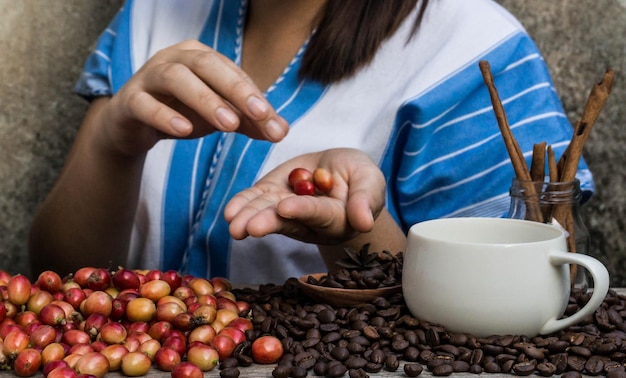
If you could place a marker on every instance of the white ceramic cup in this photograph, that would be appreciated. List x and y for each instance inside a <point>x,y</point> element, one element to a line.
<point>494,276</point>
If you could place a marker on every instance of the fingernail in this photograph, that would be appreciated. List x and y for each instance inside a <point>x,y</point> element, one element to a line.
<point>257,107</point>
<point>226,118</point>
<point>274,130</point>
<point>180,125</point>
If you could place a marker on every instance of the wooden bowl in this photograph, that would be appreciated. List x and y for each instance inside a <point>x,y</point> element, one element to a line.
<point>342,297</point>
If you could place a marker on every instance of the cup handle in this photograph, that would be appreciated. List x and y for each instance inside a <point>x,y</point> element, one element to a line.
<point>600,277</point>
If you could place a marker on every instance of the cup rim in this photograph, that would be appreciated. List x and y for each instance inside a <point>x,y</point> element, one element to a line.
<point>425,230</point>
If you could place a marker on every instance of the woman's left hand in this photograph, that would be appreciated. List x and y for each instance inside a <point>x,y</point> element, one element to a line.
<point>351,207</point>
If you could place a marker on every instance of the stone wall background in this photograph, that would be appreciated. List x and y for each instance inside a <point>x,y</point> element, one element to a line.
<point>43,45</point>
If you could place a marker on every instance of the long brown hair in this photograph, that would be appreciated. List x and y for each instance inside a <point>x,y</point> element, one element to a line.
<point>349,34</point>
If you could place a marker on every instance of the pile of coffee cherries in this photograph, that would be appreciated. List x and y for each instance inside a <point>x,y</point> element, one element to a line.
<point>96,321</point>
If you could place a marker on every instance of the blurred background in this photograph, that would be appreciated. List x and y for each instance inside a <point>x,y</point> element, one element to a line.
<point>43,46</point>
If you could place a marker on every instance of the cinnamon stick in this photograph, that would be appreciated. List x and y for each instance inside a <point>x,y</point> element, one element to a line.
<point>568,163</point>
<point>517,158</point>
<point>538,164</point>
<point>553,172</point>
<point>553,176</point>
<point>533,212</point>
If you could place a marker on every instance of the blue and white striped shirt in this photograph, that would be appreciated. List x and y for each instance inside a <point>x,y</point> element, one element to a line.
<point>420,109</point>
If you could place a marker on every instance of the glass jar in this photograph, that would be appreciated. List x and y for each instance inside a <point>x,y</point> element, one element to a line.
<point>554,203</point>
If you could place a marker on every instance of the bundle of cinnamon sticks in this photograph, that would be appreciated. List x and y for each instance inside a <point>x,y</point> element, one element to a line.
<point>562,171</point>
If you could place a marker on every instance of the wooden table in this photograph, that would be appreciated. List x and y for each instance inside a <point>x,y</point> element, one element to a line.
<point>260,371</point>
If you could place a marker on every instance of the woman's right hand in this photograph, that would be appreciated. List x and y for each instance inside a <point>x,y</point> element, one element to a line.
<point>187,91</point>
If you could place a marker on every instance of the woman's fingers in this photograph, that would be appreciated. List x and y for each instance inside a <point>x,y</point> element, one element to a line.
<point>222,78</point>
<point>190,86</point>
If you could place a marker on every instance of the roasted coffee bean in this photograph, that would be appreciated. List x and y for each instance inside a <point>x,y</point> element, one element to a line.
<point>359,325</point>
<point>460,366</point>
<point>611,366</point>
<point>493,350</point>
<point>426,355</point>
<point>329,327</point>
<point>372,367</point>
<point>314,333</point>
<point>298,372</point>
<point>448,349</point>
<point>305,360</point>
<point>534,353</point>
<point>458,339</point>
<point>594,366</point>
<point>492,367</point>
<point>558,346</point>
<point>320,368</point>
<point>296,348</point>
<point>336,370</point>
<point>310,342</point>
<point>618,356</point>
<point>377,356</point>
<point>281,371</point>
<point>546,369</point>
<point>411,354</point>
<point>389,313</point>
<point>606,348</point>
<point>505,341</point>
<point>432,337</point>
<point>524,368</point>
<point>616,374</point>
<point>297,333</point>
<point>228,363</point>
<point>286,358</point>
<point>267,325</point>
<point>391,363</point>
<point>412,369</point>
<point>502,358</point>
<point>475,369</point>
<point>243,347</point>
<point>577,339</point>
<point>370,332</point>
<point>340,353</point>
<point>477,357</point>
<point>399,345</point>
<point>614,316</point>
<point>439,360</point>
<point>281,331</point>
<point>355,362</point>
<point>465,354</point>
<point>304,324</point>
<point>560,362</point>
<point>506,366</point>
<point>331,337</point>
<point>386,332</point>
<point>571,374</point>
<point>361,340</point>
<point>442,370</point>
<point>575,363</point>
<point>244,360</point>
<point>408,321</point>
<point>357,373</point>
<point>580,351</point>
<point>231,372</point>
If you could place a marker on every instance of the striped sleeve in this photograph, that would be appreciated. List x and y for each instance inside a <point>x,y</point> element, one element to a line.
<point>95,80</point>
<point>452,160</point>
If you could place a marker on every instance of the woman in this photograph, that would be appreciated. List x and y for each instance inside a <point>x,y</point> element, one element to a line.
<point>200,109</point>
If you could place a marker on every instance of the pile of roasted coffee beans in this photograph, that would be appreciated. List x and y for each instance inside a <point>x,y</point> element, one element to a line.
<point>364,270</point>
<point>383,336</point>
